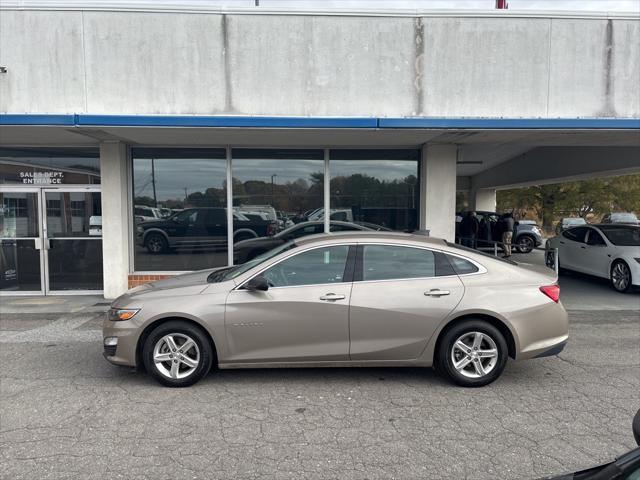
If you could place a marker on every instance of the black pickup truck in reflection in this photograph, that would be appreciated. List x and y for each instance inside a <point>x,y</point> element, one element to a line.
<point>199,229</point>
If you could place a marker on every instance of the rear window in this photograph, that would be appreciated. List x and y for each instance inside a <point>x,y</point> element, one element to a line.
<point>462,266</point>
<point>478,252</point>
<point>622,236</point>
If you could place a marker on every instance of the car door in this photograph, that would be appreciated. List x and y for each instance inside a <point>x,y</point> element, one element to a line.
<point>398,300</point>
<point>570,248</point>
<point>596,258</point>
<point>302,317</point>
<point>216,227</point>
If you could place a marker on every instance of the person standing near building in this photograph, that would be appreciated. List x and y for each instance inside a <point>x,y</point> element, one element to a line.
<point>508,224</point>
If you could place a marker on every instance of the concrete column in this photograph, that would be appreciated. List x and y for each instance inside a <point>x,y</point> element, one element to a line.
<point>438,190</point>
<point>483,199</point>
<point>115,215</point>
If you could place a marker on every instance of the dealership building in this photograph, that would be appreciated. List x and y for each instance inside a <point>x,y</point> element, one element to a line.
<point>212,125</point>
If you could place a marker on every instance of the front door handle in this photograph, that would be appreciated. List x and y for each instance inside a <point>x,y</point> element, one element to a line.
<point>435,292</point>
<point>332,297</point>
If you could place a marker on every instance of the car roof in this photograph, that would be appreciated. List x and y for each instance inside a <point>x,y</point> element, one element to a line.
<point>371,236</point>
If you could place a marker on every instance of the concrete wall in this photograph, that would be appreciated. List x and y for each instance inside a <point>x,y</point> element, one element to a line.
<point>208,63</point>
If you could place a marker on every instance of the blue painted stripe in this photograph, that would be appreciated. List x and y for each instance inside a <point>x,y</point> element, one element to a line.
<point>226,121</point>
<point>511,123</point>
<point>36,119</point>
<point>317,122</point>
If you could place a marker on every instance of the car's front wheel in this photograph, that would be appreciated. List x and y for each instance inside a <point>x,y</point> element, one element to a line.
<point>621,276</point>
<point>177,354</point>
<point>472,353</point>
<point>526,243</point>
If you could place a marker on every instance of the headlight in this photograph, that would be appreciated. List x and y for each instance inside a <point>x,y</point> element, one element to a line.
<point>120,314</point>
<point>535,230</point>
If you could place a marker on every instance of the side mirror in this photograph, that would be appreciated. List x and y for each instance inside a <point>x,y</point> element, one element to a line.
<point>258,283</point>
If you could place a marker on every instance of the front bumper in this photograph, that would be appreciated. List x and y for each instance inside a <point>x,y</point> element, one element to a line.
<point>126,335</point>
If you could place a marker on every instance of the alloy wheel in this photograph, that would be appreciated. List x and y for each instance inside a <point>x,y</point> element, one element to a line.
<point>176,356</point>
<point>620,276</point>
<point>525,244</point>
<point>474,354</point>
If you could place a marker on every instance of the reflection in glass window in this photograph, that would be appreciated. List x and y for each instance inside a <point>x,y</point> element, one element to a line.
<point>375,186</point>
<point>179,197</point>
<point>73,214</point>
<point>18,214</point>
<point>49,166</point>
<point>275,189</point>
<point>383,262</point>
<point>313,267</point>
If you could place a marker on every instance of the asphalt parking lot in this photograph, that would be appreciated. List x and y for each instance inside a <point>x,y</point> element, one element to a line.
<point>67,413</point>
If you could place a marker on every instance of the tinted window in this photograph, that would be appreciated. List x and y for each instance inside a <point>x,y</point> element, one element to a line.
<point>622,236</point>
<point>189,180</point>
<point>375,186</point>
<point>576,234</point>
<point>313,267</point>
<point>461,266</point>
<point>383,262</point>
<point>49,166</point>
<point>595,238</point>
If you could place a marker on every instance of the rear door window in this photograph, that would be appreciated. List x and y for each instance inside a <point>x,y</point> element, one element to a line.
<point>387,262</point>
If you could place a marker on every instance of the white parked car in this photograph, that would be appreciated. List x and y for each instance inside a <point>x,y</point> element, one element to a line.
<point>606,250</point>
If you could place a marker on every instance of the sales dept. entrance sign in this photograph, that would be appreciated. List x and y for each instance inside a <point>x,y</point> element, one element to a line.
<point>42,178</point>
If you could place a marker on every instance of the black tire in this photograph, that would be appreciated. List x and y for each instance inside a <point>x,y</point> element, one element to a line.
<point>635,425</point>
<point>444,360</point>
<point>526,243</point>
<point>618,267</point>
<point>178,329</point>
<point>156,243</point>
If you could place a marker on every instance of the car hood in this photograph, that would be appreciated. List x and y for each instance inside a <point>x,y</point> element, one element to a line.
<point>186,284</point>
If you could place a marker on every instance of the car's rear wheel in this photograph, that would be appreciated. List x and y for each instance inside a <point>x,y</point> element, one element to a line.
<point>526,243</point>
<point>472,353</point>
<point>177,354</point>
<point>156,243</point>
<point>621,276</point>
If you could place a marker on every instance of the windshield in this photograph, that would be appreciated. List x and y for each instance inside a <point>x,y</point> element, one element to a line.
<point>622,236</point>
<point>624,217</point>
<point>233,272</point>
<point>575,221</point>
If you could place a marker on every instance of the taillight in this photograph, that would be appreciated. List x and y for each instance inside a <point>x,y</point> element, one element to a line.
<point>551,291</point>
<point>271,229</point>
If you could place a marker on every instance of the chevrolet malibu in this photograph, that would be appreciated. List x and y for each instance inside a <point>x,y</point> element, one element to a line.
<point>343,299</point>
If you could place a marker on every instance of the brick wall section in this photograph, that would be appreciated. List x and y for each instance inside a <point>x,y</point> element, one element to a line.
<point>135,280</point>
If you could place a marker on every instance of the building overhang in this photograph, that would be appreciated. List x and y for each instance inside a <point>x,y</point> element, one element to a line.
<point>484,143</point>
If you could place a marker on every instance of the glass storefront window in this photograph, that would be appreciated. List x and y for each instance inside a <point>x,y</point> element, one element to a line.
<point>274,189</point>
<point>43,167</point>
<point>179,208</point>
<point>375,188</point>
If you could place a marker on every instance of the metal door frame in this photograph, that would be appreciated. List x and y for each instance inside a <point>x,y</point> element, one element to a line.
<point>45,238</point>
<point>37,240</point>
<point>42,240</point>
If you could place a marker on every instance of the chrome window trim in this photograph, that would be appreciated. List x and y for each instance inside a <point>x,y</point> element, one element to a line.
<point>291,255</point>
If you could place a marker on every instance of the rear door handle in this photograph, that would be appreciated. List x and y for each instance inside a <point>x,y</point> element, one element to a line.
<point>437,293</point>
<point>332,297</point>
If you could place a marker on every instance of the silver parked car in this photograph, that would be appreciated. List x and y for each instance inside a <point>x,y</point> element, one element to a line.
<point>343,299</point>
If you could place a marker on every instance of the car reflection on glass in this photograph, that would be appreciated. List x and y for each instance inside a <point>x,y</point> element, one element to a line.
<point>249,249</point>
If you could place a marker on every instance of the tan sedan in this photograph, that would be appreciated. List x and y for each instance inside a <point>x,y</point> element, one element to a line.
<point>351,299</point>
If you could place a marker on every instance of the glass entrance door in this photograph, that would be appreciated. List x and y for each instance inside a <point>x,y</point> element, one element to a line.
<point>72,240</point>
<point>21,262</point>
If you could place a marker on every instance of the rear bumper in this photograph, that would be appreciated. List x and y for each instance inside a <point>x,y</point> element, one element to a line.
<point>555,350</point>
